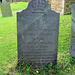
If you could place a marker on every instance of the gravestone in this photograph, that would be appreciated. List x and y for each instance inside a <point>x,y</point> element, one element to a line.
<point>73,32</point>
<point>6,9</point>
<point>22,0</point>
<point>0,3</point>
<point>37,34</point>
<point>10,1</point>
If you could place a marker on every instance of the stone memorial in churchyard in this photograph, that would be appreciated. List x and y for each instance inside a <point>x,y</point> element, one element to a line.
<point>37,34</point>
<point>22,0</point>
<point>73,32</point>
<point>10,1</point>
<point>6,9</point>
<point>0,2</point>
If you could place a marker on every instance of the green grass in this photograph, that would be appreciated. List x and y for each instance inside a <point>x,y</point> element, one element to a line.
<point>8,42</point>
<point>64,33</point>
<point>8,47</point>
<point>18,6</point>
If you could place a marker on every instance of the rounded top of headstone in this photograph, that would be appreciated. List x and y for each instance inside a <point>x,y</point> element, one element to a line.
<point>38,5</point>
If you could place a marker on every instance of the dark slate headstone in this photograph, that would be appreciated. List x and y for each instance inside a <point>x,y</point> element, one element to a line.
<point>73,31</point>
<point>37,33</point>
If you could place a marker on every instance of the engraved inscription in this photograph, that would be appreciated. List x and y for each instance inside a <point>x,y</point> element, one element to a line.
<point>38,5</point>
<point>37,34</point>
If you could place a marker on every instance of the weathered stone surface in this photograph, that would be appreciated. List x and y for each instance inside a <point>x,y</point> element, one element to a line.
<point>0,3</point>
<point>37,33</point>
<point>73,32</point>
<point>6,9</point>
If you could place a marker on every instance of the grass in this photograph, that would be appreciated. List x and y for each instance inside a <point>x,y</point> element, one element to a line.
<point>17,6</point>
<point>64,33</point>
<point>8,42</point>
<point>8,49</point>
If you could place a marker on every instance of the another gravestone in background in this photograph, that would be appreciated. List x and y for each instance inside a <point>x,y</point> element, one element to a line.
<point>6,9</point>
<point>22,0</point>
<point>37,33</point>
<point>0,2</point>
<point>10,1</point>
<point>73,32</point>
